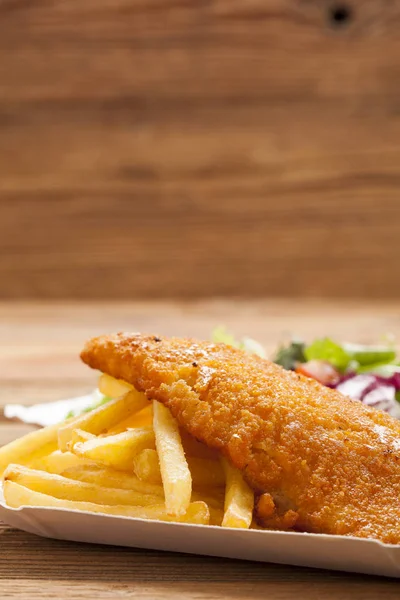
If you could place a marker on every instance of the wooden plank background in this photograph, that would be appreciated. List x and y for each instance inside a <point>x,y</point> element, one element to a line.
<point>182,148</point>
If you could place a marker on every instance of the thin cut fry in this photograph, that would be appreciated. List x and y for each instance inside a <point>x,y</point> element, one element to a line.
<point>128,458</point>
<point>239,500</point>
<point>146,466</point>
<point>107,477</point>
<point>17,495</point>
<point>78,435</point>
<point>117,451</point>
<point>175,474</point>
<point>113,388</point>
<point>102,418</point>
<point>143,418</point>
<point>29,447</point>
<point>40,453</point>
<point>57,462</point>
<point>68,489</point>
<point>205,472</point>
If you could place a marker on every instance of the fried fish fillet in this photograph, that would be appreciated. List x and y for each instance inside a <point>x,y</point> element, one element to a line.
<point>327,463</point>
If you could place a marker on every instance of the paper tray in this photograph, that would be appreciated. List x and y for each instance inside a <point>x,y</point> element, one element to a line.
<point>301,549</point>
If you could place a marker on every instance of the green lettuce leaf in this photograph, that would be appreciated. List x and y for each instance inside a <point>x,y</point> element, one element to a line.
<point>328,350</point>
<point>289,356</point>
<point>367,356</point>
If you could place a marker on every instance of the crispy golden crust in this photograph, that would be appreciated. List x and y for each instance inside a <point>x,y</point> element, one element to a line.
<point>330,464</point>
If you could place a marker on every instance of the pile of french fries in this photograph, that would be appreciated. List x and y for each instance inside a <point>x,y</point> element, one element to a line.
<point>127,457</point>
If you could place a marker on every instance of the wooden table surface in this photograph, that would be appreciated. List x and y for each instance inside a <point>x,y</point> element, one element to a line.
<point>161,138</point>
<point>38,361</point>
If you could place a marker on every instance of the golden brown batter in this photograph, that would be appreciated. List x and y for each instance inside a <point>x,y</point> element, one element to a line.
<point>329,464</point>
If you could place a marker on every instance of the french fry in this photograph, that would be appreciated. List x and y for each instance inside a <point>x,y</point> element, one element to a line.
<point>128,458</point>
<point>143,418</point>
<point>239,500</point>
<point>40,453</point>
<point>175,474</point>
<point>107,477</point>
<point>147,466</point>
<point>68,489</point>
<point>205,472</point>
<point>78,435</point>
<point>30,447</point>
<point>102,418</point>
<point>57,461</point>
<point>117,451</point>
<point>17,495</point>
<point>111,387</point>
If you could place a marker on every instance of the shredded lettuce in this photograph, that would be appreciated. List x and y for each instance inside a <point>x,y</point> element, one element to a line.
<point>351,357</point>
<point>288,356</point>
<point>369,356</point>
<point>328,350</point>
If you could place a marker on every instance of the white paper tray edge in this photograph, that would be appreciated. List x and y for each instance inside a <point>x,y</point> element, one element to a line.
<point>291,548</point>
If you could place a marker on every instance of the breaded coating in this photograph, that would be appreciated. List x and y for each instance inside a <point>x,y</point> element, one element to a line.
<point>329,464</point>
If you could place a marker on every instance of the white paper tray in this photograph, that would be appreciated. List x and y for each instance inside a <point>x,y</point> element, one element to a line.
<point>301,549</point>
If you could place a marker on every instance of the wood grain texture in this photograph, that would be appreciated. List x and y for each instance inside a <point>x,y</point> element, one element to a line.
<point>39,344</point>
<point>81,571</point>
<point>185,149</point>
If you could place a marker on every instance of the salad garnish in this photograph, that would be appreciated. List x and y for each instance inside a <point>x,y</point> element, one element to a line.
<point>367,373</point>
